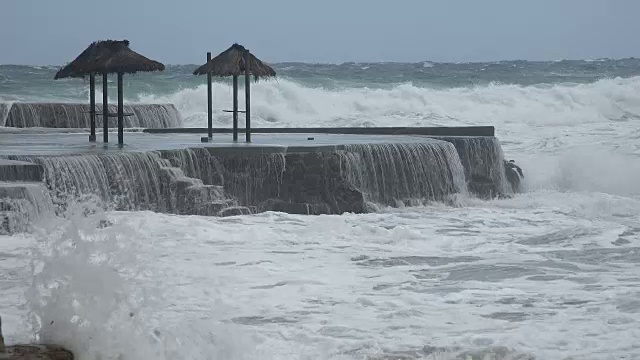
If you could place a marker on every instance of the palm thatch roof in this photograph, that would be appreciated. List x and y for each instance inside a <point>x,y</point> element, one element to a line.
<point>231,62</point>
<point>108,56</point>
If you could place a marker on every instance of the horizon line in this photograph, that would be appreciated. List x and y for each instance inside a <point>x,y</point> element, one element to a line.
<point>383,62</point>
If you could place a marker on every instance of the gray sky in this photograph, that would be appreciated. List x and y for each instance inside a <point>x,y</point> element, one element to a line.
<point>181,31</point>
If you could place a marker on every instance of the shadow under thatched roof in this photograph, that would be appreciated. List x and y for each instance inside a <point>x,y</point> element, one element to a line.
<point>231,62</point>
<point>108,56</point>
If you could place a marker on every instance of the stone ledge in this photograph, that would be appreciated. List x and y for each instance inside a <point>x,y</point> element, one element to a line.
<point>13,170</point>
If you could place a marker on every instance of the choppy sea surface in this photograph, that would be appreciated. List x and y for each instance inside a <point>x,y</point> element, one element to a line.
<point>552,273</point>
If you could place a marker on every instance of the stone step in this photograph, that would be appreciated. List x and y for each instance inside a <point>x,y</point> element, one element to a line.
<point>236,210</point>
<point>12,222</point>
<point>13,170</point>
<point>294,207</point>
<point>214,208</point>
<point>21,202</point>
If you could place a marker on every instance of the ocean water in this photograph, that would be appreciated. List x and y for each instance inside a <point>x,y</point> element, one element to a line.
<point>552,273</point>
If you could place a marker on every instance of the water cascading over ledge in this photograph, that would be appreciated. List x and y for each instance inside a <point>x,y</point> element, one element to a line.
<point>4,112</point>
<point>330,182</point>
<point>404,174</point>
<point>210,181</point>
<point>125,181</point>
<point>22,203</point>
<point>62,115</point>
<point>482,159</point>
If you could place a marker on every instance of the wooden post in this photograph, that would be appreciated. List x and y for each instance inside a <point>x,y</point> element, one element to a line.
<point>209,102</point>
<point>235,107</point>
<point>120,112</point>
<point>247,95</point>
<point>92,106</point>
<point>105,109</point>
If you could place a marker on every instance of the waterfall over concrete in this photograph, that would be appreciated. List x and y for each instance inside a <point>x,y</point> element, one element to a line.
<point>211,181</point>
<point>62,115</point>
<point>482,160</point>
<point>126,181</point>
<point>331,175</point>
<point>405,174</point>
<point>22,203</point>
<point>4,112</point>
<point>330,182</point>
<point>23,196</point>
<point>248,178</point>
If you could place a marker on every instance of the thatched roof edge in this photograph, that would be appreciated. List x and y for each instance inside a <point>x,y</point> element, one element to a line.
<point>231,62</point>
<point>108,56</point>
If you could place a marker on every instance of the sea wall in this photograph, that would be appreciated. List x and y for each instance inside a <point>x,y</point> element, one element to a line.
<point>483,161</point>
<point>213,181</point>
<point>124,181</point>
<point>479,150</point>
<point>62,115</point>
<point>352,179</point>
<point>221,181</point>
<point>404,174</point>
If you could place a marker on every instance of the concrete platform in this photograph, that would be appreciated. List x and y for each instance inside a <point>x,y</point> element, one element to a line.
<point>39,143</point>
<point>176,172</point>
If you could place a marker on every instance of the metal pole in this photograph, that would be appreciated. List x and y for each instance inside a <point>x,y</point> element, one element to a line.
<point>247,95</point>
<point>120,112</point>
<point>209,101</point>
<point>105,109</point>
<point>235,107</point>
<point>92,106</point>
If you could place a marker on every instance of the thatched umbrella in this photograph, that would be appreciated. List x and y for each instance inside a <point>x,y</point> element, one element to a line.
<point>234,61</point>
<point>107,57</point>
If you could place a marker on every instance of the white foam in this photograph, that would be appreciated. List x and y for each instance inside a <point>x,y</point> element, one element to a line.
<point>583,169</point>
<point>287,286</point>
<point>287,103</point>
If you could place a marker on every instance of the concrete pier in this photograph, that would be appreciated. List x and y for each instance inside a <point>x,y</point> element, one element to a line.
<point>296,172</point>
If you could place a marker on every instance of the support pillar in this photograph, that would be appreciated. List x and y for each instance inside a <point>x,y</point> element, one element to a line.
<point>235,107</point>
<point>105,109</point>
<point>120,112</point>
<point>92,106</point>
<point>209,102</point>
<point>247,95</point>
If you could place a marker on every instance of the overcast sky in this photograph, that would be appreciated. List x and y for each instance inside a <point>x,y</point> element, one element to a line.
<point>181,31</point>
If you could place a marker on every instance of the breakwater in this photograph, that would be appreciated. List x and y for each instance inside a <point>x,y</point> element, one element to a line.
<point>331,176</point>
